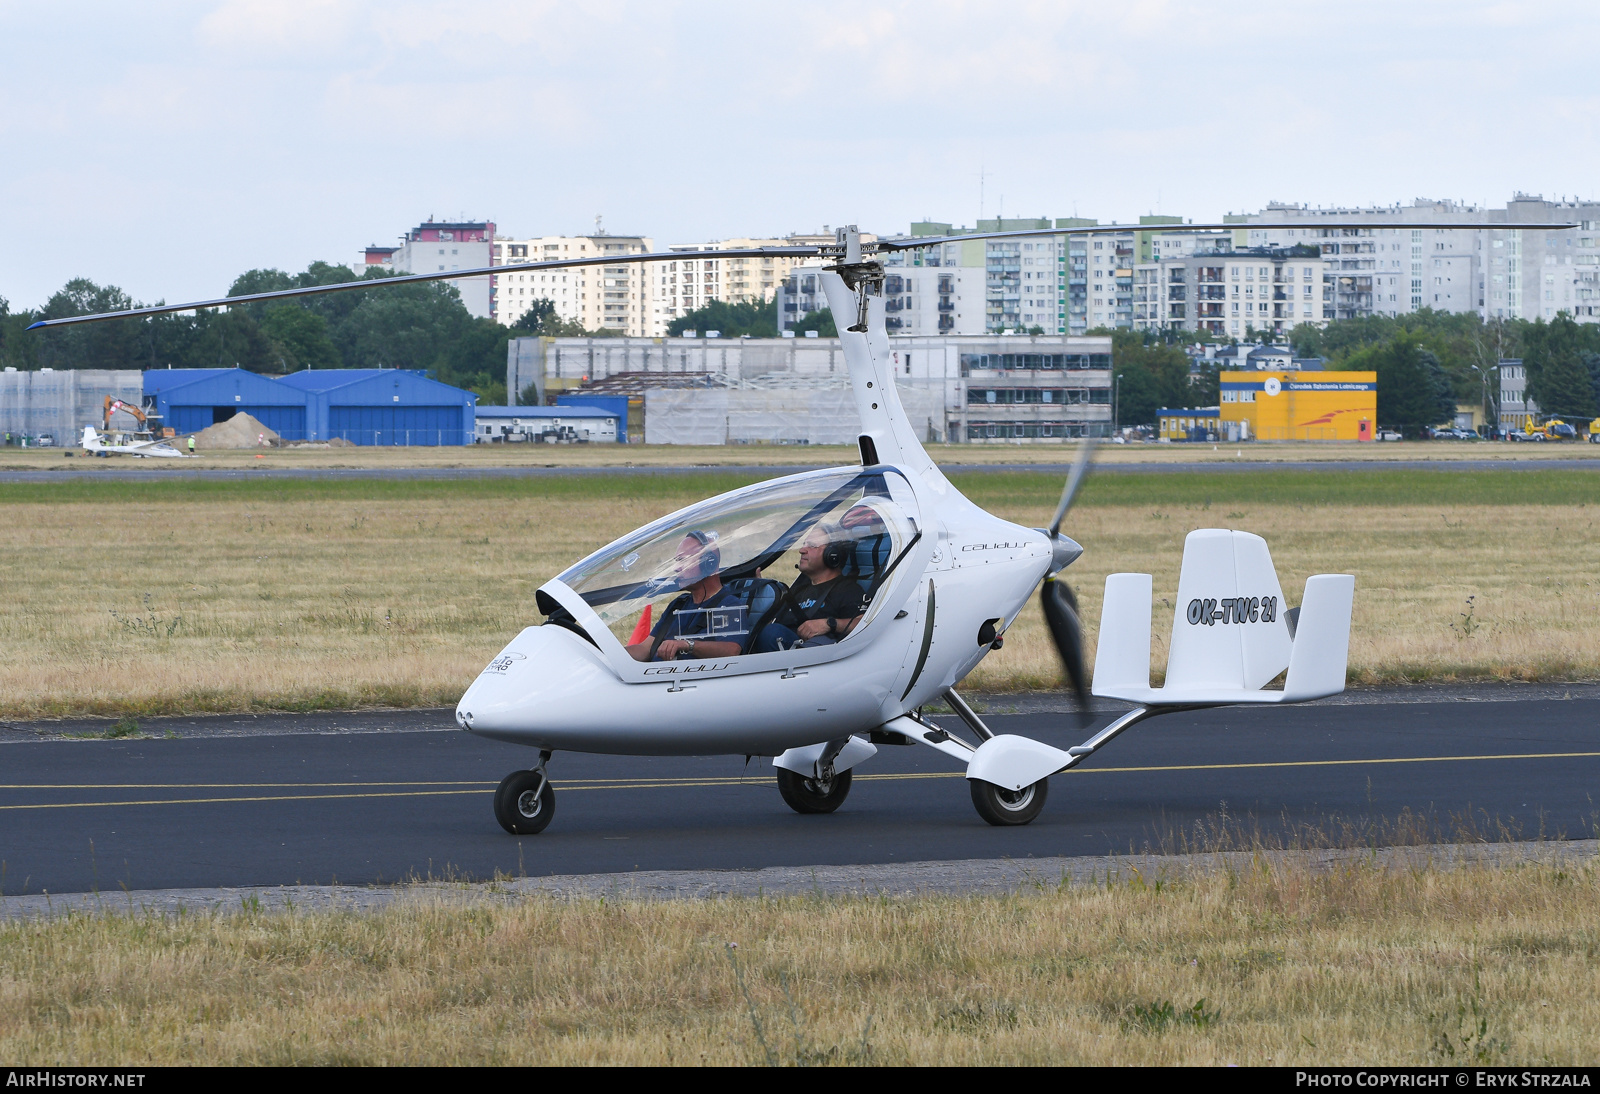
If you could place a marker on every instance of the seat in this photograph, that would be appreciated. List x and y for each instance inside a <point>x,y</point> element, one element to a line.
<point>868,559</point>
<point>761,595</point>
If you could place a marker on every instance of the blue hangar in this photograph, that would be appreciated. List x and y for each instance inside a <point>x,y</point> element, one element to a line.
<point>364,406</point>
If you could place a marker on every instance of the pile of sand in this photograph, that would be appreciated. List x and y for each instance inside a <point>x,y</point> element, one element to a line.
<point>239,431</point>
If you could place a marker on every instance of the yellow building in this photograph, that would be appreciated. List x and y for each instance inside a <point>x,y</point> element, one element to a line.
<point>1299,406</point>
<point>1192,424</point>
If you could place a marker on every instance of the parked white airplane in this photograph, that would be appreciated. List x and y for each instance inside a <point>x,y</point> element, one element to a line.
<point>114,443</point>
<point>939,582</point>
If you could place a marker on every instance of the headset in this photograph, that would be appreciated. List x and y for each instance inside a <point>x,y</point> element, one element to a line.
<point>711,557</point>
<point>836,551</point>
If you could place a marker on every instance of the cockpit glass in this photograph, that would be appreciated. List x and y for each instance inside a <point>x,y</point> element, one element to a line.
<point>751,542</point>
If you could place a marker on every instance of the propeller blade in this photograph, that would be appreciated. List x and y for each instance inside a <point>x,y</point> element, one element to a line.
<point>1061,616</point>
<point>1069,493</point>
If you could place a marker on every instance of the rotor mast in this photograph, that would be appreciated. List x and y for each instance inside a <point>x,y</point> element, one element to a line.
<point>854,286</point>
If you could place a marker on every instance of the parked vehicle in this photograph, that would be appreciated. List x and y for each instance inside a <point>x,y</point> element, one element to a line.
<point>1554,429</point>
<point>1389,435</point>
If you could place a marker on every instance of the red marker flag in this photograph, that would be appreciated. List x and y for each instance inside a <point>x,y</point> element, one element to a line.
<point>642,631</point>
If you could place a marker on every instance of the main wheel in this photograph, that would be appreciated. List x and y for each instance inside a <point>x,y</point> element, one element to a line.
<point>525,803</point>
<point>1002,807</point>
<point>813,795</point>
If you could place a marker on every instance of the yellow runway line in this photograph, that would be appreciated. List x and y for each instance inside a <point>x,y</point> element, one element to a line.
<point>684,783</point>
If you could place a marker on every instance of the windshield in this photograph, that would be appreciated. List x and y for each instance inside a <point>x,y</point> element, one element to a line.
<point>751,541</point>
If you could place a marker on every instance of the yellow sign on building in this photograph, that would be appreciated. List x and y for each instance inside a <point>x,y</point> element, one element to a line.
<point>1300,406</point>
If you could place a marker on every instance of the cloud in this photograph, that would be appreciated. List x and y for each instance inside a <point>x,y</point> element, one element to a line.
<point>280,132</point>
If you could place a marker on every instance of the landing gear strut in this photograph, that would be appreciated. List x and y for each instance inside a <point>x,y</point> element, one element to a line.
<point>525,803</point>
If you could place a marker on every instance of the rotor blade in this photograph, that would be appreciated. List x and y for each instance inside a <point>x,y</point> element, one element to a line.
<point>1114,229</point>
<point>1061,616</point>
<point>1069,493</point>
<point>448,275</point>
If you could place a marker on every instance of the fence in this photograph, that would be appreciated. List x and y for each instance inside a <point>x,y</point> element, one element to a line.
<point>405,438</point>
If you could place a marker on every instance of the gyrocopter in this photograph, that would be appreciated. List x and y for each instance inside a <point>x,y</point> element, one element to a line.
<point>680,638</point>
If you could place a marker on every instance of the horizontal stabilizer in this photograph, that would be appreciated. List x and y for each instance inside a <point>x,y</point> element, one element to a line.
<point>1230,633</point>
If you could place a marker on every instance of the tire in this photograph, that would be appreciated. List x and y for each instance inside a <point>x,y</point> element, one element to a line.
<point>805,795</point>
<point>522,806</point>
<point>1006,808</point>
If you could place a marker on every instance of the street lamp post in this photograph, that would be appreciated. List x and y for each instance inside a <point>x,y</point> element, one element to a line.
<point>1116,383</point>
<point>1491,411</point>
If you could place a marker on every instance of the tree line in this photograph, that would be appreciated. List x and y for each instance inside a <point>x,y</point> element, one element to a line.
<point>1427,363</point>
<point>417,326</point>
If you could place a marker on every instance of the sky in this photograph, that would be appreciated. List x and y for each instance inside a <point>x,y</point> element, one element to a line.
<point>165,147</point>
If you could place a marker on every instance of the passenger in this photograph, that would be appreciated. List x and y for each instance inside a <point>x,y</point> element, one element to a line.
<point>823,606</point>
<point>678,633</point>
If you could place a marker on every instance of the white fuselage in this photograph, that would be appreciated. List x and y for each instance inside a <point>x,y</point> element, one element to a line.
<point>118,444</point>
<point>552,689</point>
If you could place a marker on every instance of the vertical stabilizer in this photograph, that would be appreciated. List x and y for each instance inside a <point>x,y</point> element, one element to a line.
<point>1322,639</point>
<point>1122,657</point>
<point>1228,627</point>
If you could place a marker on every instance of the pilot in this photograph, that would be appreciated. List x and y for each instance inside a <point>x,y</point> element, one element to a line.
<point>824,605</point>
<point>677,634</point>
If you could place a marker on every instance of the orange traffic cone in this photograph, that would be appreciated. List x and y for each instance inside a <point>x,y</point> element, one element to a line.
<point>642,631</point>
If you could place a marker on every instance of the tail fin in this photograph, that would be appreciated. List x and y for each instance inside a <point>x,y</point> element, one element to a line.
<point>90,435</point>
<point>1122,657</point>
<point>1228,626</point>
<point>1322,639</point>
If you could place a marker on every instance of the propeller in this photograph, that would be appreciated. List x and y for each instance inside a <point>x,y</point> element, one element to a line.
<point>1069,493</point>
<point>1056,597</point>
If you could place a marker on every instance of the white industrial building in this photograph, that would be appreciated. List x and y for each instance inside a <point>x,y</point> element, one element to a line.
<point>59,403</point>
<point>957,388</point>
<point>554,424</point>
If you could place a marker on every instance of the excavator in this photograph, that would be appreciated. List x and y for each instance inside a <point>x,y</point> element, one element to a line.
<point>151,439</point>
<point>150,425</point>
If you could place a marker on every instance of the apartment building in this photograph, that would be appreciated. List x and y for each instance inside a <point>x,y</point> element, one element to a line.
<point>681,285</point>
<point>1232,293</point>
<point>1496,271</point>
<point>615,298</point>
<point>442,245</point>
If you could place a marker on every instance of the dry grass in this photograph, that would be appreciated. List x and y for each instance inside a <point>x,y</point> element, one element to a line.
<point>639,455</point>
<point>1271,964</point>
<point>1442,592</point>
<point>172,599</point>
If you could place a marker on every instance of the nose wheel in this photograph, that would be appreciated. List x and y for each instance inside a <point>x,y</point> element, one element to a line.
<point>525,803</point>
<point>805,795</point>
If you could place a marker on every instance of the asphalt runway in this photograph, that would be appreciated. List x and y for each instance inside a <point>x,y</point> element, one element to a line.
<point>118,474</point>
<point>378,807</point>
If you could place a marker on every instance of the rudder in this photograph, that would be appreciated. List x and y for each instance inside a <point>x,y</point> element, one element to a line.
<point>1228,627</point>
